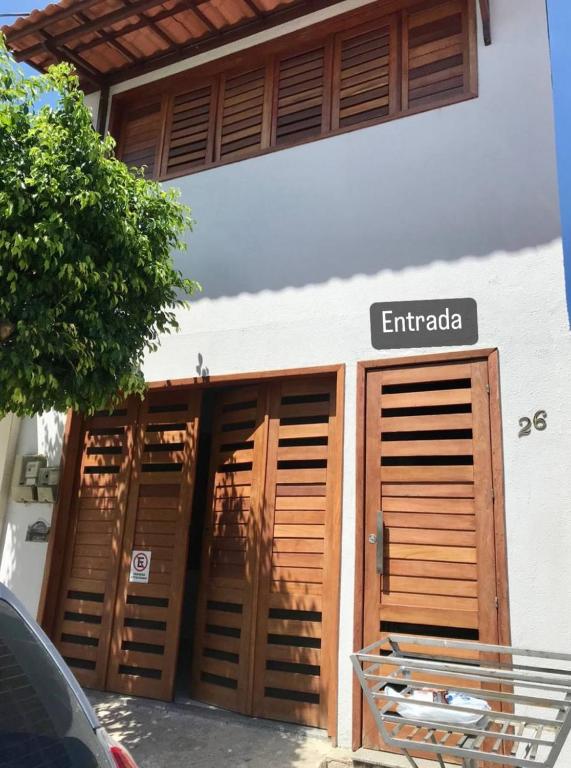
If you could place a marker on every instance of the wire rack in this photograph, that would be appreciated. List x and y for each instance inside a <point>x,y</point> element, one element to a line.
<point>529,693</point>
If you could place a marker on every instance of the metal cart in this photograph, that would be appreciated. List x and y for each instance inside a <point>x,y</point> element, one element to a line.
<point>529,693</point>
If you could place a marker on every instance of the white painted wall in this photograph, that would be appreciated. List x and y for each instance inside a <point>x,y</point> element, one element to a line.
<point>9,430</point>
<point>92,103</point>
<point>293,247</point>
<point>22,562</point>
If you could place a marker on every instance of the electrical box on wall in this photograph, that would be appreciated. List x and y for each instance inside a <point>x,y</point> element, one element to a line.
<point>48,481</point>
<point>25,477</point>
<point>33,480</point>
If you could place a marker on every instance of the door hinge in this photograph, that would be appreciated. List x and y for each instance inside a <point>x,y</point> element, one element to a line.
<point>497,602</point>
<point>488,388</point>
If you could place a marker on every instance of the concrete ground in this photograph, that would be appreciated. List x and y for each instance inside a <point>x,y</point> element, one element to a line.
<point>192,735</point>
<point>189,735</point>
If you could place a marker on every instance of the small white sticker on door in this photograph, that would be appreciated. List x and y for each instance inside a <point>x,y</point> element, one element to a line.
<point>140,566</point>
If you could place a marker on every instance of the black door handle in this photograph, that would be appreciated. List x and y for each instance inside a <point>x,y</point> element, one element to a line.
<point>380,542</point>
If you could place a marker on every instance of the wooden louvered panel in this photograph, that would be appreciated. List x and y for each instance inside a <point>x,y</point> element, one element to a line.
<point>244,113</point>
<point>291,651</point>
<point>301,95</point>
<point>133,491</point>
<point>428,468</point>
<point>365,74</point>
<point>227,599</point>
<point>87,596</point>
<point>349,72</point>
<point>190,128</point>
<point>435,54</point>
<point>147,616</point>
<point>262,610</point>
<point>140,137</point>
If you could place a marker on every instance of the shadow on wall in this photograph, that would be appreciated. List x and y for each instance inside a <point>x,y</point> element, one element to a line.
<point>462,181</point>
<point>50,436</point>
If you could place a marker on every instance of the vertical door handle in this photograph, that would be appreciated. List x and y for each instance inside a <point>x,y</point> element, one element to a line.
<point>380,542</point>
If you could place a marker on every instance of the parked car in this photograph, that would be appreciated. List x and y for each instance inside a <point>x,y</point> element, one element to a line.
<point>46,720</point>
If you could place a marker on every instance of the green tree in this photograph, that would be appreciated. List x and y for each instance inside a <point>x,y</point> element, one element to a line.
<point>87,281</point>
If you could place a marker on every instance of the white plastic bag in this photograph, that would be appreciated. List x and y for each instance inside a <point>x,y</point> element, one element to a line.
<point>420,711</point>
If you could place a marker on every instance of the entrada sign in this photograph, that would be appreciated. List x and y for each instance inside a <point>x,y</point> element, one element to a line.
<point>428,323</point>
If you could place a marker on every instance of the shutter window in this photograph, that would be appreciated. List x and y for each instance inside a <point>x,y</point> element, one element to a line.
<point>436,50</point>
<point>365,86</point>
<point>140,136</point>
<point>347,73</point>
<point>300,110</point>
<point>191,129</point>
<point>244,114</point>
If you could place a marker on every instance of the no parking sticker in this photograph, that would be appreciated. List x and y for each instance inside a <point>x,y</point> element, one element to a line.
<point>140,566</point>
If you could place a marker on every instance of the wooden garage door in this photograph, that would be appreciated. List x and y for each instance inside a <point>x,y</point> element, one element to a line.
<point>429,502</point>
<point>133,490</point>
<point>265,609</point>
<point>97,516</point>
<point>298,546</point>
<point>147,615</point>
<point>229,574</point>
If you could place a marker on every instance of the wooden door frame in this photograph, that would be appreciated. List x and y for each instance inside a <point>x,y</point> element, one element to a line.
<point>61,518</point>
<point>491,357</point>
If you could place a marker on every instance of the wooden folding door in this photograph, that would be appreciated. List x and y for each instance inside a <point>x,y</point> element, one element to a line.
<point>144,644</point>
<point>265,609</point>
<point>228,584</point>
<point>296,636</point>
<point>133,491</point>
<point>92,554</point>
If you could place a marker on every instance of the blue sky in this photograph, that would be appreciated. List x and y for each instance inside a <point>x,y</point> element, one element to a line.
<point>20,6</point>
<point>560,39</point>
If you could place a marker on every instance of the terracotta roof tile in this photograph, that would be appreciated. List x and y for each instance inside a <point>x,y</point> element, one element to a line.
<point>111,40</point>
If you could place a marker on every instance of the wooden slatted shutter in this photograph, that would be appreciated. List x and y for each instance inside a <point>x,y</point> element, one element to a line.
<point>97,515</point>
<point>147,616</point>
<point>379,66</point>
<point>139,140</point>
<point>244,115</point>
<point>428,472</point>
<point>436,54</point>
<point>228,586</point>
<point>190,128</point>
<point>294,612</point>
<point>365,74</point>
<point>301,95</point>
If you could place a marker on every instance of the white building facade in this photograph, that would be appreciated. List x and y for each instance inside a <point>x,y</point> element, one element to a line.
<point>292,248</point>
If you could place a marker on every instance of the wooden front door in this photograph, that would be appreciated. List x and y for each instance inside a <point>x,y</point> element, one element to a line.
<point>265,626</point>
<point>429,503</point>
<point>133,491</point>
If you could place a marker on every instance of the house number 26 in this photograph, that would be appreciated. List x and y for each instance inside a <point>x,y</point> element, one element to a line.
<point>539,422</point>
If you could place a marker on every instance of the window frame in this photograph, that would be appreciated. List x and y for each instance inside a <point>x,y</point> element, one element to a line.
<point>267,55</point>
